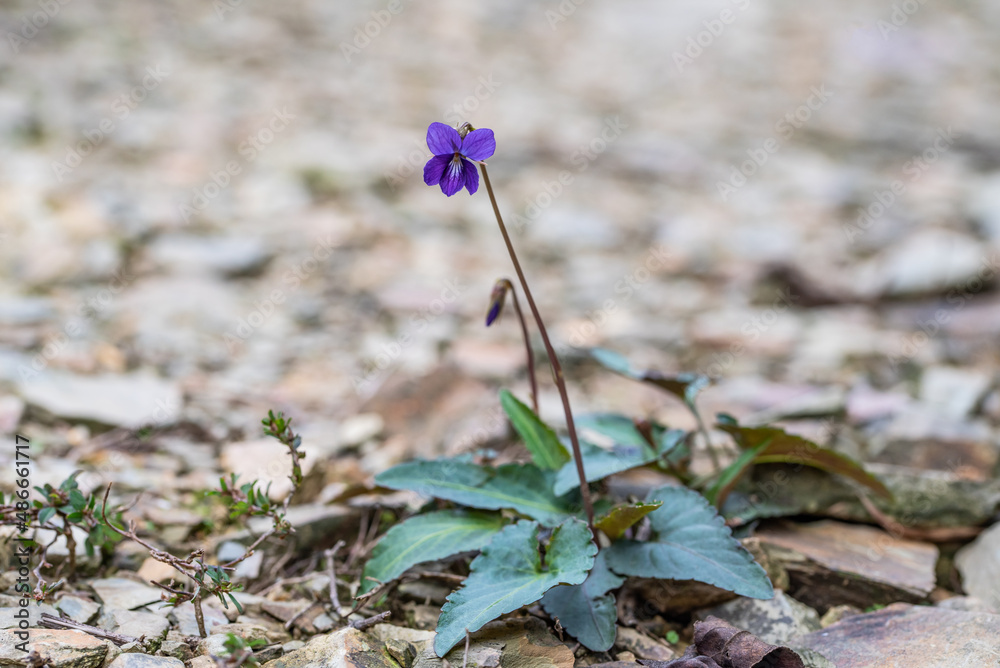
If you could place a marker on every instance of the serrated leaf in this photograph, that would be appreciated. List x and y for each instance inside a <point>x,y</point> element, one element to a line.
<point>775,445</point>
<point>427,537</point>
<point>521,487</point>
<point>690,542</point>
<point>620,518</point>
<point>587,610</point>
<point>684,386</point>
<point>509,574</point>
<point>543,444</point>
<point>629,449</point>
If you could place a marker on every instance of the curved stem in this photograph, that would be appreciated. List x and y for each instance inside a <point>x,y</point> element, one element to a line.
<point>527,345</point>
<point>549,350</point>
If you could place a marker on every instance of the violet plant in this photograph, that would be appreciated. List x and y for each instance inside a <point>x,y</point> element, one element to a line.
<point>540,536</point>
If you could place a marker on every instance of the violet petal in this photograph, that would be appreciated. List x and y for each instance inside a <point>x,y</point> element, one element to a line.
<point>453,178</point>
<point>471,176</point>
<point>434,169</point>
<point>479,144</point>
<point>443,139</point>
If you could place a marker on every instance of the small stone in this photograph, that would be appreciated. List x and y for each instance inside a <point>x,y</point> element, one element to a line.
<point>213,645</point>
<point>953,392</point>
<point>138,624</point>
<point>284,610</point>
<point>403,652</point>
<point>9,616</point>
<point>62,648</point>
<point>177,649</point>
<point>979,564</point>
<point>357,429</point>
<point>642,646</point>
<point>774,621</point>
<point>122,594</point>
<point>346,647</point>
<point>125,400</point>
<point>153,570</point>
<point>908,635</point>
<point>229,257</point>
<point>837,613</point>
<point>968,604</point>
<point>145,661</point>
<point>187,624</point>
<point>201,662</point>
<point>78,609</point>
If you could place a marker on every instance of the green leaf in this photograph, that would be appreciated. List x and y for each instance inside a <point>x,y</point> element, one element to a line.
<point>538,437</point>
<point>521,487</point>
<point>622,517</point>
<point>729,476</point>
<point>77,500</point>
<point>684,386</point>
<point>427,538</point>
<point>509,573</point>
<point>45,514</point>
<point>587,610</point>
<point>775,445</point>
<point>629,449</point>
<point>690,542</point>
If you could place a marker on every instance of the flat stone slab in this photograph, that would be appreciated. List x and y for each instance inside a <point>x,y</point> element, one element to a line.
<point>774,620</point>
<point>122,594</point>
<point>62,648</point>
<point>908,635</point>
<point>833,563</point>
<point>125,400</point>
<point>136,660</point>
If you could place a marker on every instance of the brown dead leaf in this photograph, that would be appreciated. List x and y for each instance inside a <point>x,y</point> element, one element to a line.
<point>732,648</point>
<point>689,660</point>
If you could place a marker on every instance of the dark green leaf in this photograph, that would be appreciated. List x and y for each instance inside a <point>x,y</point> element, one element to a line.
<point>587,610</point>
<point>45,514</point>
<point>690,542</point>
<point>509,574</point>
<point>428,537</point>
<point>538,437</point>
<point>77,500</point>
<point>775,445</point>
<point>629,449</point>
<point>521,487</point>
<point>620,518</point>
<point>684,386</point>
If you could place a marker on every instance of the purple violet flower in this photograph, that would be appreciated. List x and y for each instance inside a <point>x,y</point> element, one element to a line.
<point>451,167</point>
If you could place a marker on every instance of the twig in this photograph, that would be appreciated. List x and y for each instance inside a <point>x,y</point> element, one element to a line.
<point>368,622</point>
<point>298,615</point>
<point>50,622</point>
<point>465,657</point>
<point>330,554</point>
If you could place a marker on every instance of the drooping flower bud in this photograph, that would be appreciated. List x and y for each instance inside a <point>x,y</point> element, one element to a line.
<point>497,298</point>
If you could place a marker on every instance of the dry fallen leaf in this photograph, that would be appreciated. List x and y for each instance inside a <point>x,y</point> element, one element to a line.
<point>732,648</point>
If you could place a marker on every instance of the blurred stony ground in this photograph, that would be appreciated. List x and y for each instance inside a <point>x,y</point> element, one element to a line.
<point>209,210</point>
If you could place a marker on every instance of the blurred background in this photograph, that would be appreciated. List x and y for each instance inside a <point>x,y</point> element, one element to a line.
<point>209,209</point>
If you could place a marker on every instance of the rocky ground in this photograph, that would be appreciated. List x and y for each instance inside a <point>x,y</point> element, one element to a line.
<point>211,210</point>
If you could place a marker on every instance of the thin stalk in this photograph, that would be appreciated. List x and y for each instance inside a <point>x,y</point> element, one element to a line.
<point>708,440</point>
<point>549,350</point>
<point>527,344</point>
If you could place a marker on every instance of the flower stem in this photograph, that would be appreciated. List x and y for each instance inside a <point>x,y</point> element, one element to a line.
<point>527,345</point>
<point>550,351</point>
